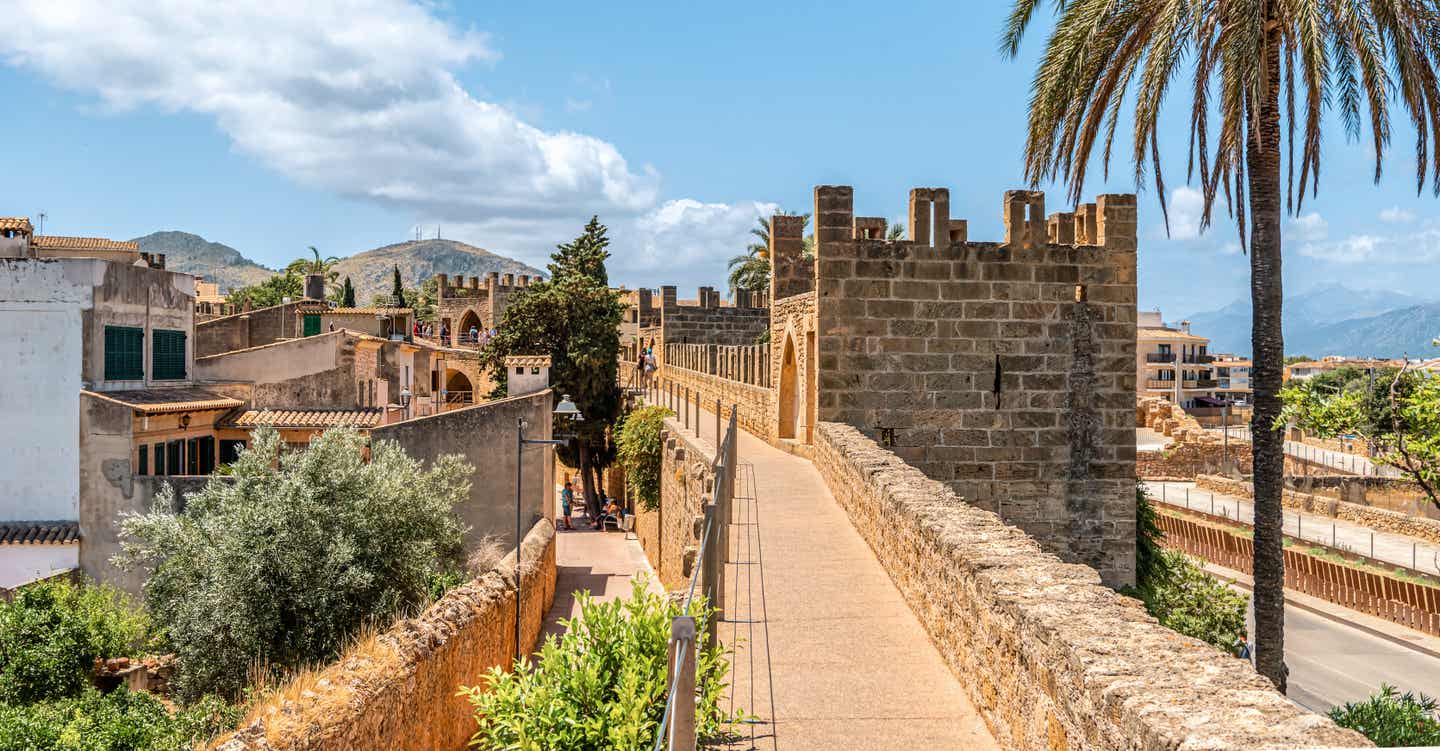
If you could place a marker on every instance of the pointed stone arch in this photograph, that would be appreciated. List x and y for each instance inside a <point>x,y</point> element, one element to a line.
<point>789,389</point>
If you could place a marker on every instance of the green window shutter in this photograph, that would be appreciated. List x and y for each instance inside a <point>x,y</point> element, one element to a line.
<point>124,353</point>
<point>167,355</point>
<point>312,325</point>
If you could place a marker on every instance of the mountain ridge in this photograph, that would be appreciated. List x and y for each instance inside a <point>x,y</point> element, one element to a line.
<point>371,271</point>
<point>1332,319</point>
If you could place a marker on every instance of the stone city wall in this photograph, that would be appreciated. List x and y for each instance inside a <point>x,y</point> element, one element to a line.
<point>1051,657</point>
<point>399,693</point>
<point>753,403</point>
<point>749,364</point>
<point>1183,461</point>
<point>792,366</point>
<point>707,322</point>
<point>668,533</point>
<point>1378,519</point>
<point>1005,370</point>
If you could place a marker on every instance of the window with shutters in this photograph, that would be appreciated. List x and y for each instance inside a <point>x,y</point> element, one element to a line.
<point>312,324</point>
<point>124,353</point>
<point>167,355</point>
<point>142,467</point>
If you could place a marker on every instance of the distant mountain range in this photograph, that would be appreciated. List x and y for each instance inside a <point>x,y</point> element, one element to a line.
<point>370,271</point>
<point>1333,320</point>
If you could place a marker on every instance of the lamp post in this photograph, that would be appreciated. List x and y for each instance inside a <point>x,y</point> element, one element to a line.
<point>565,409</point>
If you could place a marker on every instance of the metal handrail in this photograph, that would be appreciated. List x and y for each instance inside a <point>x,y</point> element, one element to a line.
<point>713,534</point>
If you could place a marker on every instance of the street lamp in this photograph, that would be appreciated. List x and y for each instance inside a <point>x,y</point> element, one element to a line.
<point>566,409</point>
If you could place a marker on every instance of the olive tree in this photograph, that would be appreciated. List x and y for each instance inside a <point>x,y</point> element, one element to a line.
<point>281,563</point>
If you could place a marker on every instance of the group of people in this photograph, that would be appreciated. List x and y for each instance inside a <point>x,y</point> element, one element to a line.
<point>474,335</point>
<point>607,507</point>
<point>645,364</point>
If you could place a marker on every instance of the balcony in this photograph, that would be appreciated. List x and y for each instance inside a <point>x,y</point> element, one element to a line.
<point>1160,357</point>
<point>1201,383</point>
<point>1199,359</point>
<point>1162,385</point>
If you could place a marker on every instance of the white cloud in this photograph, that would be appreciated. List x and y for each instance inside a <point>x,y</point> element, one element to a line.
<point>1396,215</point>
<point>1310,227</point>
<point>1420,246</point>
<point>1186,207</point>
<point>361,98</point>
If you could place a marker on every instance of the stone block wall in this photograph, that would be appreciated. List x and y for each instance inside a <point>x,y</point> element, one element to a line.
<point>790,272</point>
<point>792,368</point>
<point>1051,657</point>
<point>669,534</point>
<point>245,330</point>
<point>709,323</point>
<point>1005,370</point>
<point>753,403</point>
<point>399,693</point>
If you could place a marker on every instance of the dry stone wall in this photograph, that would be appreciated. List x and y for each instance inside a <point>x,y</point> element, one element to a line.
<point>399,694</point>
<point>1051,657</point>
<point>1005,370</point>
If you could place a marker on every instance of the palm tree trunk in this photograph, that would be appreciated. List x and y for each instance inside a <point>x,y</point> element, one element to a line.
<point>1263,167</point>
<point>592,501</point>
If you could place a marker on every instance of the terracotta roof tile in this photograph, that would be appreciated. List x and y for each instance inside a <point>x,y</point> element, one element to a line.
<point>15,222</point>
<point>39,533</point>
<point>1151,333</point>
<point>84,243</point>
<point>161,401</point>
<point>304,418</point>
<point>528,361</point>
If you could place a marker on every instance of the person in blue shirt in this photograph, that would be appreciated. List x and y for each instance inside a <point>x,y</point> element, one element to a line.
<point>567,497</point>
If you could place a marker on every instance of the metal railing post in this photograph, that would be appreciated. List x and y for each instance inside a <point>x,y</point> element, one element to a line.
<point>711,569</point>
<point>682,672</point>
<point>717,422</point>
<point>687,407</point>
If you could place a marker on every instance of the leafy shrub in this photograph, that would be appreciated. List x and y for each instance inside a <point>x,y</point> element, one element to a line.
<point>640,453</point>
<point>1391,719</point>
<point>53,631</point>
<point>601,685</point>
<point>119,721</point>
<point>281,565</point>
<point>1179,593</point>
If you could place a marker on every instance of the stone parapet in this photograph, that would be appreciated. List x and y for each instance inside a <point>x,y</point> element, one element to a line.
<point>1050,657</point>
<point>752,402</point>
<point>398,693</point>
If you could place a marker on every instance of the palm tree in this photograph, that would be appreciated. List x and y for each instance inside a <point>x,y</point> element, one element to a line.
<point>896,232</point>
<point>1256,54</point>
<point>751,270</point>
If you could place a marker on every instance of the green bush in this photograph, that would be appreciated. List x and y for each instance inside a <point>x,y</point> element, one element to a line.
<point>118,721</point>
<point>640,453</point>
<point>1390,718</point>
<point>52,632</point>
<point>1179,593</point>
<point>282,565</point>
<point>601,685</point>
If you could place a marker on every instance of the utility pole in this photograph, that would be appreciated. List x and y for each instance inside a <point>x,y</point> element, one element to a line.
<point>42,216</point>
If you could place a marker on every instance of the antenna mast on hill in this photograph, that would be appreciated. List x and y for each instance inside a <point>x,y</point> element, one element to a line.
<point>437,232</point>
<point>42,216</point>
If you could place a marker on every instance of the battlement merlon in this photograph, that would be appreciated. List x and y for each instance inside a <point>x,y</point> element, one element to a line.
<point>790,273</point>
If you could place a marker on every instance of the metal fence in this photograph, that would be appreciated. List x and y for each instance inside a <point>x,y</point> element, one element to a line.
<point>677,729</point>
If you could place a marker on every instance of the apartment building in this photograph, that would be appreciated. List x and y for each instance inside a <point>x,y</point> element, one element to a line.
<point>1311,368</point>
<point>1173,362</point>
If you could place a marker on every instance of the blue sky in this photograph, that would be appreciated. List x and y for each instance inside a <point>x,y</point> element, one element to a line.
<point>278,125</point>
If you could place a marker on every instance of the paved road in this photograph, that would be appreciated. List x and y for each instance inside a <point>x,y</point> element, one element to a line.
<point>1333,661</point>
<point>1391,548</point>
<point>1337,460</point>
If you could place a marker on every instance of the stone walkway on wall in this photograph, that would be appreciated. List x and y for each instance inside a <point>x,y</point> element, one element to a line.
<point>848,662</point>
